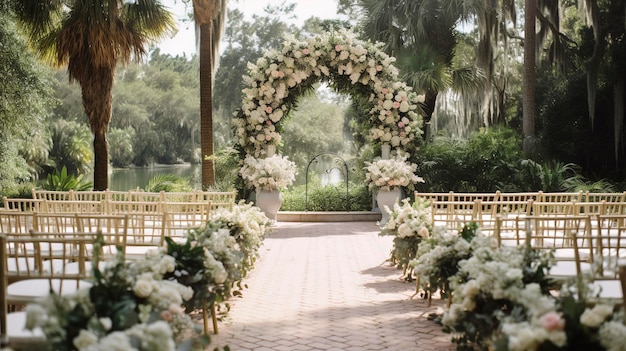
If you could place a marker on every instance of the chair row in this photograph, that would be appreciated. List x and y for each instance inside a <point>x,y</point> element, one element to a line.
<point>454,214</point>
<point>586,249</point>
<point>114,201</point>
<point>141,227</point>
<point>539,196</point>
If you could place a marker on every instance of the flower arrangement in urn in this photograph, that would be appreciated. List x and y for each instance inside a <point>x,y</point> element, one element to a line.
<point>271,173</point>
<point>391,173</point>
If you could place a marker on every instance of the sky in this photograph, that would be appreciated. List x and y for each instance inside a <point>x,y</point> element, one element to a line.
<point>184,41</point>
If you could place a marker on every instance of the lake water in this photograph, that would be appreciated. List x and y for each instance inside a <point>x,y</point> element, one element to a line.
<point>123,179</point>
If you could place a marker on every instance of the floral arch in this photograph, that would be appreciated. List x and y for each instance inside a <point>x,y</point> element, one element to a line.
<point>350,66</point>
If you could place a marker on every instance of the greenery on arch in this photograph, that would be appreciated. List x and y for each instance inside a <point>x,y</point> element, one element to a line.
<point>348,65</point>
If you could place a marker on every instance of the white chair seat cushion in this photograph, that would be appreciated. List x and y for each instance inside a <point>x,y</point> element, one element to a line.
<point>29,290</point>
<point>20,337</point>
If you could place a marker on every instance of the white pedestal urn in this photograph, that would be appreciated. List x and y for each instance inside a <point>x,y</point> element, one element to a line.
<point>269,201</point>
<point>387,198</point>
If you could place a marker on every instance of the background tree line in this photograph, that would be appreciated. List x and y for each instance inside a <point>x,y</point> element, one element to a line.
<point>471,93</point>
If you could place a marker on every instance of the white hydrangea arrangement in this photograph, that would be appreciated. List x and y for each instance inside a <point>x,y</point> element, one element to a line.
<point>409,220</point>
<point>394,172</point>
<point>248,225</point>
<point>273,81</point>
<point>271,173</point>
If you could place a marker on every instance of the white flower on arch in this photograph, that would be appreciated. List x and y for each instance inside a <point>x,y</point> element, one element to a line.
<point>353,66</point>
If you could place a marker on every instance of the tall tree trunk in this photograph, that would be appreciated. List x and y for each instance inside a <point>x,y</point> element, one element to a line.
<point>206,104</point>
<point>430,100</point>
<point>97,98</point>
<point>528,87</point>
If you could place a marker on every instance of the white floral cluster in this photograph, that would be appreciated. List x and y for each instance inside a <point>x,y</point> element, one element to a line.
<point>271,173</point>
<point>548,324</point>
<point>222,256</point>
<point>158,303</point>
<point>408,220</point>
<point>272,83</point>
<point>436,254</point>
<point>247,224</point>
<point>394,172</point>
<point>533,318</point>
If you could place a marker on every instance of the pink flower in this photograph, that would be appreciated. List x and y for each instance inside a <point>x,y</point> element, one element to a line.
<point>166,315</point>
<point>379,68</point>
<point>338,47</point>
<point>305,51</point>
<point>552,321</point>
<point>281,74</point>
<point>396,104</point>
<point>403,134</point>
<point>268,109</point>
<point>384,91</point>
<point>268,137</point>
<point>268,122</point>
<point>401,124</point>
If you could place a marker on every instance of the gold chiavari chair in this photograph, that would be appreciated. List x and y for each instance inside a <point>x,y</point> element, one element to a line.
<point>553,208</point>
<point>42,261</point>
<point>603,265</point>
<point>16,222</point>
<point>561,234</point>
<point>73,206</point>
<point>134,207</point>
<point>21,205</point>
<point>598,273</point>
<point>145,231</point>
<point>51,195</point>
<point>559,197</point>
<point>182,216</point>
<point>12,324</point>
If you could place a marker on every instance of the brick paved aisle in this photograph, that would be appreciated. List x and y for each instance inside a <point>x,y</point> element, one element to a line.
<point>325,286</point>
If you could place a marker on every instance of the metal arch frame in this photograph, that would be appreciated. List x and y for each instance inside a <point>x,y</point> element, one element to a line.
<point>345,165</point>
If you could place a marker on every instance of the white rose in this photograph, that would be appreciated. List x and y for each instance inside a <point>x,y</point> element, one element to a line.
<point>595,316</point>
<point>84,339</point>
<point>142,288</point>
<point>106,323</point>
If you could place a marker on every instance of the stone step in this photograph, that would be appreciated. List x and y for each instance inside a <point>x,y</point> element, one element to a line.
<point>335,216</point>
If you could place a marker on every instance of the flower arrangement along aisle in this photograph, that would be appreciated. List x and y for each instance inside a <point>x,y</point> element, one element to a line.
<point>437,258</point>
<point>208,262</point>
<point>566,324</point>
<point>248,225</point>
<point>494,284</point>
<point>271,173</point>
<point>409,224</point>
<point>129,307</point>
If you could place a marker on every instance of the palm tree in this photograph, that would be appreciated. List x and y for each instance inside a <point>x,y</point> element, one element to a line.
<point>91,37</point>
<point>425,30</point>
<point>209,16</point>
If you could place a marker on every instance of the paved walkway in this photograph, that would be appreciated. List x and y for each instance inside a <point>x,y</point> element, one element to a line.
<point>326,286</point>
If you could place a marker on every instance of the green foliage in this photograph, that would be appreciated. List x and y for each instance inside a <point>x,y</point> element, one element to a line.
<point>551,176</point>
<point>327,198</point>
<point>168,183</point>
<point>121,146</point>
<point>487,162</point>
<point>226,168</point>
<point>62,181</point>
<point>71,146</point>
<point>25,95</point>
